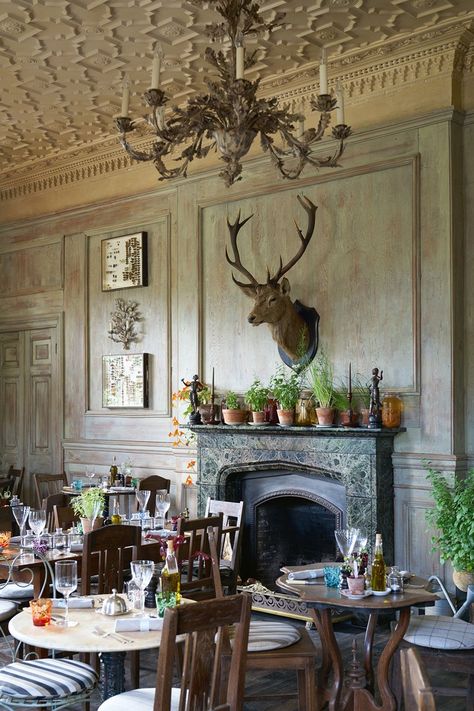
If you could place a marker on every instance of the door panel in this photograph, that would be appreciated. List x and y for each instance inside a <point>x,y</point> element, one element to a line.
<point>12,397</point>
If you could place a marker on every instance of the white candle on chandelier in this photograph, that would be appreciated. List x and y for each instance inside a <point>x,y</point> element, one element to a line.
<point>239,56</point>
<point>155,69</point>
<point>125,98</point>
<point>340,104</point>
<point>323,74</point>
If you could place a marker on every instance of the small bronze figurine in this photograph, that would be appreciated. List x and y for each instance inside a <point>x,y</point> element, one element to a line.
<point>375,418</point>
<point>195,386</point>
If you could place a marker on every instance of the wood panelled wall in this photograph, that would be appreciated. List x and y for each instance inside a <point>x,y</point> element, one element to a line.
<point>380,270</point>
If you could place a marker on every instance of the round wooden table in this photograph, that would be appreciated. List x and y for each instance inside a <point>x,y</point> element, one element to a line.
<point>320,599</point>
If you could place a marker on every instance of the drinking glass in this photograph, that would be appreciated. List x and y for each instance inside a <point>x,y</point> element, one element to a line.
<point>142,497</point>
<point>162,505</point>
<point>65,573</point>
<point>346,539</point>
<point>361,542</point>
<point>90,474</point>
<point>21,513</point>
<point>37,521</point>
<point>142,572</point>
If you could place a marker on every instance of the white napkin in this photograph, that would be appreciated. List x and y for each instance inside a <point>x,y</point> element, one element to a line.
<point>74,602</point>
<point>76,547</point>
<point>306,574</point>
<point>139,624</point>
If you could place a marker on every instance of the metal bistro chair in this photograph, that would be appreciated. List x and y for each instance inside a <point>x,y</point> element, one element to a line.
<point>48,683</point>
<point>202,683</point>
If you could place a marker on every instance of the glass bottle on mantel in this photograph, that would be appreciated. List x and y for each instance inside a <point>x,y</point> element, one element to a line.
<point>378,579</point>
<point>391,411</point>
<point>170,581</point>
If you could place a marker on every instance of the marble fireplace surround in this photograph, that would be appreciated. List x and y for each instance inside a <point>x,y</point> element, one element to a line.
<point>359,459</point>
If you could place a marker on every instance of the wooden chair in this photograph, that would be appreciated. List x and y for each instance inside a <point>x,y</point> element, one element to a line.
<point>16,477</point>
<point>300,656</point>
<point>203,685</point>
<point>64,517</point>
<point>154,483</point>
<point>49,504</point>
<point>417,693</point>
<point>231,539</point>
<point>47,484</point>
<point>197,580</point>
<point>107,553</point>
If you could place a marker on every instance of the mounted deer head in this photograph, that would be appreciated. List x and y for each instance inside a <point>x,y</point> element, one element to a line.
<point>291,324</point>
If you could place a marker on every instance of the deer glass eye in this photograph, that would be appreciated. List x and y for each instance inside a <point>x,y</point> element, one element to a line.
<point>272,299</point>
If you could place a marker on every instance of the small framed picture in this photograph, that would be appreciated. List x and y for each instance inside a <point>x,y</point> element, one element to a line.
<point>125,380</point>
<point>124,261</point>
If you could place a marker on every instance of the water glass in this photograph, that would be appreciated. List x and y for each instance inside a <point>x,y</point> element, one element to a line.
<point>65,574</point>
<point>37,521</point>
<point>134,594</point>
<point>142,572</point>
<point>332,575</point>
<point>162,505</point>
<point>41,611</point>
<point>61,541</point>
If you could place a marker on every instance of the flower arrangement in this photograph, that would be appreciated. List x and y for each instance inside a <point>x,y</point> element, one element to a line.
<point>90,503</point>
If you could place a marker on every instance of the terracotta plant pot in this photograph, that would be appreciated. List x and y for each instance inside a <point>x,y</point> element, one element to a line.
<point>286,417</point>
<point>325,416</point>
<point>86,524</point>
<point>234,417</point>
<point>462,579</point>
<point>258,417</point>
<point>356,585</point>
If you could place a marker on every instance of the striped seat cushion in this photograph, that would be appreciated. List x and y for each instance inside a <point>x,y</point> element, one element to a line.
<point>264,636</point>
<point>46,679</point>
<point>440,632</point>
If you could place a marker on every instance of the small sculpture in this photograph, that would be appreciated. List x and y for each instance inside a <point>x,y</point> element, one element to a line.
<point>375,419</point>
<point>195,386</point>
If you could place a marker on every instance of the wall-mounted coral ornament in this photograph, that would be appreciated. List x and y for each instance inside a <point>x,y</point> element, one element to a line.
<point>122,327</point>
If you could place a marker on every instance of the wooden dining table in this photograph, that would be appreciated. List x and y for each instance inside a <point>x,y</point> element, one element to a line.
<point>353,693</point>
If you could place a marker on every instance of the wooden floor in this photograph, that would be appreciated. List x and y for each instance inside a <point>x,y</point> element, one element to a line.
<point>259,682</point>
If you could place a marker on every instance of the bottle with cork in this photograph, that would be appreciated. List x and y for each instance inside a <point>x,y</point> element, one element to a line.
<point>378,581</point>
<point>170,582</point>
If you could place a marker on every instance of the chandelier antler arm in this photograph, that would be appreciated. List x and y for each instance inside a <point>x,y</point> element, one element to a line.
<point>236,263</point>
<point>310,209</point>
<point>133,153</point>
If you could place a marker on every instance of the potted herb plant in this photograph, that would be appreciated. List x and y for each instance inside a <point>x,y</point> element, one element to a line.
<point>256,397</point>
<point>89,506</point>
<point>453,517</point>
<point>320,376</point>
<point>232,412</point>
<point>285,386</point>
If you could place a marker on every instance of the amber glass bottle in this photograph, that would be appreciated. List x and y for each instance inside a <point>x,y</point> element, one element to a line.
<point>391,411</point>
<point>378,579</point>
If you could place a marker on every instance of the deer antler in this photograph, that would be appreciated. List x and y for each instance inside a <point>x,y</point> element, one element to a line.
<point>311,211</point>
<point>236,263</point>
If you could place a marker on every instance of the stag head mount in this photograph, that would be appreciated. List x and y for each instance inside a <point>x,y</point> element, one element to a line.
<point>293,326</point>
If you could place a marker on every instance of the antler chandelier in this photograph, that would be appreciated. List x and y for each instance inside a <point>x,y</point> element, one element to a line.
<point>230,116</point>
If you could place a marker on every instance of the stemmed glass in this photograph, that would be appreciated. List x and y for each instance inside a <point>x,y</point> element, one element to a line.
<point>142,497</point>
<point>162,505</point>
<point>346,539</point>
<point>90,474</point>
<point>37,521</point>
<point>142,571</point>
<point>361,541</point>
<point>65,573</point>
<point>21,513</point>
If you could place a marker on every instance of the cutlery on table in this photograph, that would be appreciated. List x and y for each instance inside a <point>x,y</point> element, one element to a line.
<point>103,633</point>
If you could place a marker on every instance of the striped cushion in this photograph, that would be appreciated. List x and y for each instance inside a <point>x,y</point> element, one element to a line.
<point>440,632</point>
<point>264,636</point>
<point>46,678</point>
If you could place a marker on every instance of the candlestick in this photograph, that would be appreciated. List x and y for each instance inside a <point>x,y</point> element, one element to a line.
<point>155,70</point>
<point>212,387</point>
<point>323,74</point>
<point>340,104</point>
<point>125,98</point>
<point>349,392</point>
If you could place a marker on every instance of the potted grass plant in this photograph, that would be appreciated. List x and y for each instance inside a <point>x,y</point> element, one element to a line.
<point>453,518</point>
<point>320,377</point>
<point>89,506</point>
<point>285,386</point>
<point>232,413</point>
<point>256,398</point>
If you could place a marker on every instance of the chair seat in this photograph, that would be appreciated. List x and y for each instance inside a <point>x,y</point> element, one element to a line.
<point>16,591</point>
<point>138,700</point>
<point>440,632</point>
<point>7,609</point>
<point>46,679</point>
<point>265,636</point>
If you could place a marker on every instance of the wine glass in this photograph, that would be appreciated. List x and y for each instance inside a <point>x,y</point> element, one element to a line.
<point>142,497</point>
<point>346,539</point>
<point>361,541</point>
<point>21,513</point>
<point>65,573</point>
<point>162,505</point>
<point>37,521</point>
<point>142,571</point>
<point>90,474</point>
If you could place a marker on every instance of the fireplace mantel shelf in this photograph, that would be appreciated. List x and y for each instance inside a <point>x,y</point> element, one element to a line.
<point>295,431</point>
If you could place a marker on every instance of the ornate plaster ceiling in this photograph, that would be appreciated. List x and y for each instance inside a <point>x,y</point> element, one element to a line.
<point>62,63</point>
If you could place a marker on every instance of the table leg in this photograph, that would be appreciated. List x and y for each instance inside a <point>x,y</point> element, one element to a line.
<point>331,660</point>
<point>368,645</point>
<point>112,674</point>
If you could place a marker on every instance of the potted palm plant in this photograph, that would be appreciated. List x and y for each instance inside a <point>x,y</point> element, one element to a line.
<point>320,377</point>
<point>285,386</point>
<point>256,398</point>
<point>232,412</point>
<point>453,517</point>
<point>89,506</point>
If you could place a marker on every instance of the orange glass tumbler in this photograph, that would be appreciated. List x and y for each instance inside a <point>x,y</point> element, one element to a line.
<point>41,611</point>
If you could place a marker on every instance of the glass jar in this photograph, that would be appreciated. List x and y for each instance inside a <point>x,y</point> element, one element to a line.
<point>304,407</point>
<point>395,580</point>
<point>391,411</point>
<point>61,541</point>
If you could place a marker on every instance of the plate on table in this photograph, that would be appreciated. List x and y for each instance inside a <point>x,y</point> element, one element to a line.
<point>381,593</point>
<point>353,596</point>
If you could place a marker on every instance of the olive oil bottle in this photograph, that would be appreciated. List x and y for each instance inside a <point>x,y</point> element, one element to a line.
<point>170,581</point>
<point>116,517</point>
<point>378,578</point>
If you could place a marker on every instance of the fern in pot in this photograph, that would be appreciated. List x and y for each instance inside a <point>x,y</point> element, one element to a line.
<point>320,376</point>
<point>256,398</point>
<point>89,506</point>
<point>285,386</point>
<point>232,412</point>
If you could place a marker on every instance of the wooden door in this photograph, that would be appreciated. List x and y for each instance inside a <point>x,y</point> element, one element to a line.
<point>12,400</point>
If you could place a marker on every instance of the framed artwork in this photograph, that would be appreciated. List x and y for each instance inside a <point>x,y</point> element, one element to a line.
<point>125,380</point>
<point>124,261</point>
